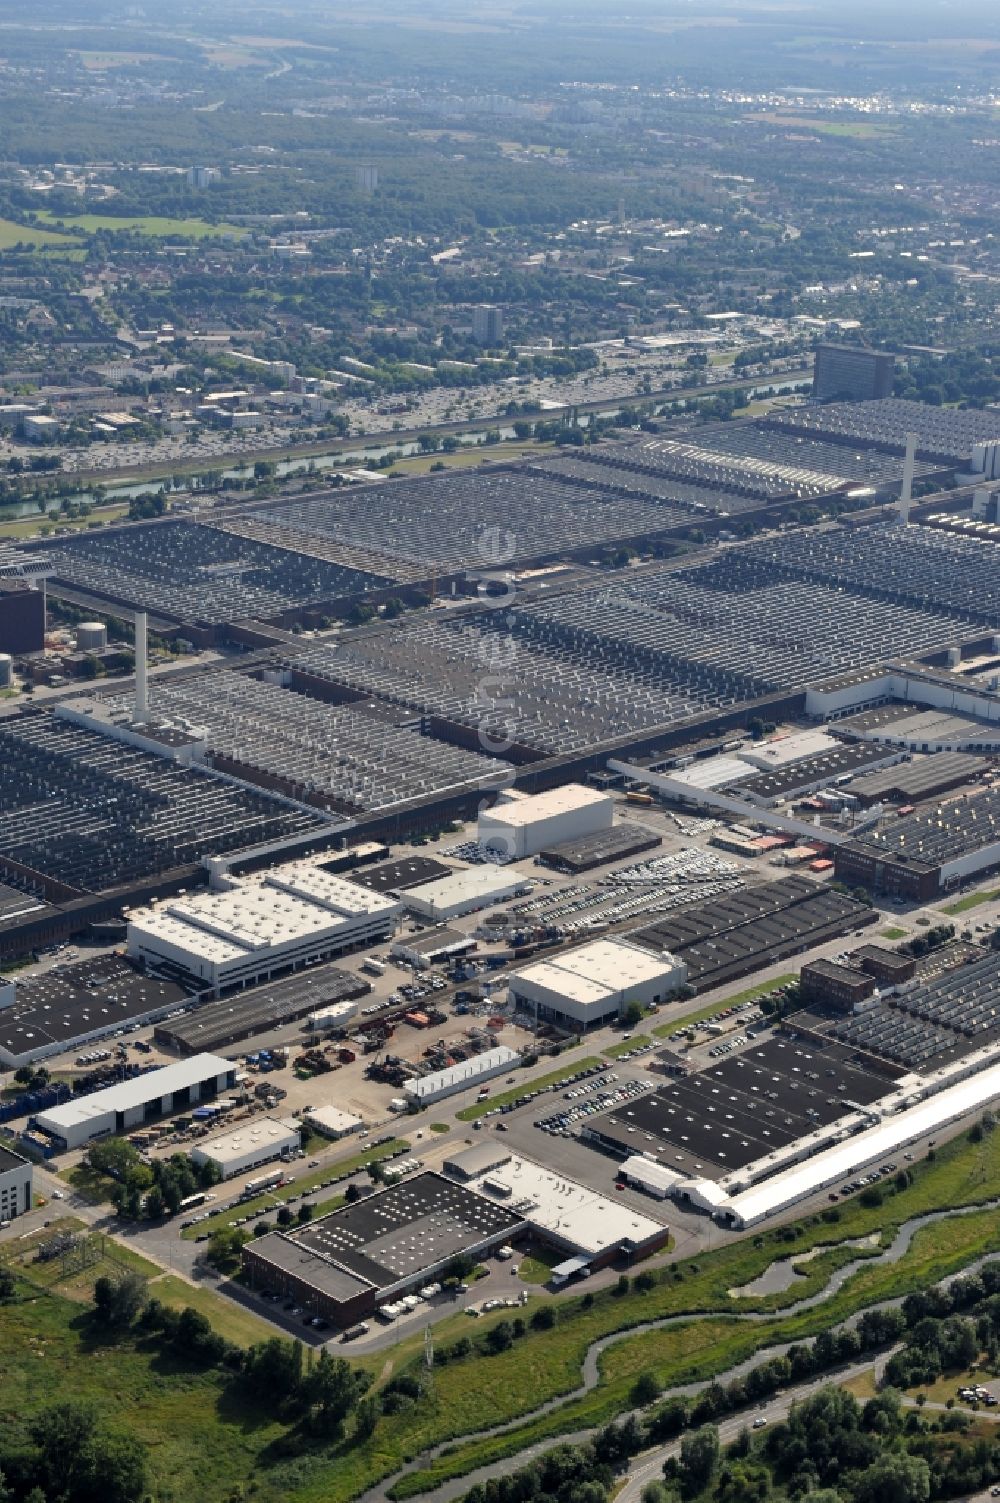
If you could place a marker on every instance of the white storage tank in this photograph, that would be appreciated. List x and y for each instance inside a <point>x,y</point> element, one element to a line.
<point>91,636</point>
<point>6,670</point>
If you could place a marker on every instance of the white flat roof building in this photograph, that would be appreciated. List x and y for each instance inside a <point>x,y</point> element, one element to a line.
<point>586,987</point>
<point>712,772</point>
<point>250,1144</point>
<point>259,925</point>
<point>120,1108</point>
<point>332,1122</point>
<point>463,892</point>
<point>655,1179</point>
<point>459,1077</point>
<point>526,824</point>
<point>769,755</point>
<point>567,1213</point>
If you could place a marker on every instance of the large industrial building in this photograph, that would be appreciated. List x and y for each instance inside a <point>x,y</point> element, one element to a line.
<point>747,1207</point>
<point>741,932</point>
<point>214,1025</point>
<point>752,1108</point>
<point>258,927</point>
<point>926,852</point>
<point>365,1255</point>
<point>853,373</point>
<point>588,987</point>
<point>15,1185</point>
<point>73,1005</point>
<point>120,1108</point>
<point>565,1214</point>
<point>345,1265</point>
<point>463,891</point>
<point>520,826</point>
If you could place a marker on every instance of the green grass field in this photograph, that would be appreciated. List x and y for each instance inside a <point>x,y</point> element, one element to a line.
<point>12,234</point>
<point>893,932</point>
<point>153,225</point>
<point>480,1108</point>
<point>228,1318</point>
<point>971,900</point>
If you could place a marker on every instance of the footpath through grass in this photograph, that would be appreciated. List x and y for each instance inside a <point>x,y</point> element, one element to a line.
<point>504,1098</point>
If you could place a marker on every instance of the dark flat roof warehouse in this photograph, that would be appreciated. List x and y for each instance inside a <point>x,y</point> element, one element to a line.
<point>389,1237</point>
<point>923,777</point>
<point>215,1024</point>
<point>76,1000</point>
<point>741,1109</point>
<point>397,876</point>
<point>588,851</point>
<point>728,934</point>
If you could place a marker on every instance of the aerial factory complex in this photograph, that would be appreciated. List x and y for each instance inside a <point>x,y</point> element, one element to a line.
<point>499,753</point>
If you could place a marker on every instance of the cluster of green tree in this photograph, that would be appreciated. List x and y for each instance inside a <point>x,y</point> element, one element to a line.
<point>931,939</point>
<point>147,506</point>
<point>149,1189</point>
<point>66,1453</point>
<point>948,1327</point>
<point>970,378</point>
<point>318,1396</point>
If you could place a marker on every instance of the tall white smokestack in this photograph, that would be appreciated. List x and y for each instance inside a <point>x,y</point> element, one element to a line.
<point>141,713</point>
<point>906,489</point>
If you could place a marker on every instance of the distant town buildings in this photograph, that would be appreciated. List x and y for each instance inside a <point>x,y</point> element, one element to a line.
<point>847,372</point>
<point>366,177</point>
<point>203,177</point>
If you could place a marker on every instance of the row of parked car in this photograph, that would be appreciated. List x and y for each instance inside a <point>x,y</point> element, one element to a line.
<point>561,1123</point>
<point>529,1096</point>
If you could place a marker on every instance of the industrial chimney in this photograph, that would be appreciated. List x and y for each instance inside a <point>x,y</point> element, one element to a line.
<point>141,713</point>
<point>906,489</point>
